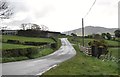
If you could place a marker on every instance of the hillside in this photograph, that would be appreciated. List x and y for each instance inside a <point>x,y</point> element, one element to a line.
<point>91,30</point>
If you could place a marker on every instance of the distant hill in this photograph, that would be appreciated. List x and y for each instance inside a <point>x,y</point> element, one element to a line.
<point>91,30</point>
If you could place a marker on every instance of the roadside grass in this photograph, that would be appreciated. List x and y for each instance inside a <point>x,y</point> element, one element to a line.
<point>43,52</point>
<point>13,59</point>
<point>26,39</point>
<point>84,65</point>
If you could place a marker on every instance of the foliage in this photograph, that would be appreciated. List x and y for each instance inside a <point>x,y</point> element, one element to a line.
<point>108,35</point>
<point>54,45</point>
<point>19,52</point>
<point>73,34</point>
<point>117,33</point>
<point>13,41</point>
<point>98,47</point>
<point>35,43</point>
<point>103,35</point>
<point>97,36</point>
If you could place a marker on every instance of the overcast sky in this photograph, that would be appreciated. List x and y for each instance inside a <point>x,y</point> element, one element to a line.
<point>63,15</point>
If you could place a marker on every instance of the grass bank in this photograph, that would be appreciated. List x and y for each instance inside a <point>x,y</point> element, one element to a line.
<point>84,66</point>
<point>20,52</point>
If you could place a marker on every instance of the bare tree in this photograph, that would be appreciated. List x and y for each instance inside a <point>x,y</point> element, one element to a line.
<point>23,26</point>
<point>44,28</point>
<point>5,10</point>
<point>35,27</point>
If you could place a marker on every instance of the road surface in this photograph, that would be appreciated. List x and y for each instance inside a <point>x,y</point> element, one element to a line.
<point>40,65</point>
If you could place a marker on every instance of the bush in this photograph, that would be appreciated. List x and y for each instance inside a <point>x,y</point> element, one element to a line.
<point>99,47</point>
<point>13,41</point>
<point>35,43</point>
<point>55,39</point>
<point>31,52</point>
<point>28,52</point>
<point>54,45</point>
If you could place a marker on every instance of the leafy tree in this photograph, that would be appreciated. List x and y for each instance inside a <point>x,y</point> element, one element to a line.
<point>73,34</point>
<point>108,35</point>
<point>90,36</point>
<point>103,35</point>
<point>97,36</point>
<point>117,33</point>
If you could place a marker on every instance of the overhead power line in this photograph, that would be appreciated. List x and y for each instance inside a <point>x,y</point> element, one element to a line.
<point>90,8</point>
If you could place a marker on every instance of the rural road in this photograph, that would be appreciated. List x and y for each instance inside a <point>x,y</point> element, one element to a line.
<point>40,65</point>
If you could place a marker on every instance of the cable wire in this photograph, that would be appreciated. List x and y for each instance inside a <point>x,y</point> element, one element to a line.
<point>90,8</point>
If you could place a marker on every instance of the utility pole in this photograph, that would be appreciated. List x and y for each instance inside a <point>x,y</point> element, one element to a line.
<point>83,31</point>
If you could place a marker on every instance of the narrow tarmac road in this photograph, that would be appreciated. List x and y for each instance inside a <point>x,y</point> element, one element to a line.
<point>40,65</point>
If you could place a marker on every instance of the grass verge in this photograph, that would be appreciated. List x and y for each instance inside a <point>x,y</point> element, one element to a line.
<point>84,65</point>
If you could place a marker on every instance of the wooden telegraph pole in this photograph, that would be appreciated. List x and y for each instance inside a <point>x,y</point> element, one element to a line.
<point>83,31</point>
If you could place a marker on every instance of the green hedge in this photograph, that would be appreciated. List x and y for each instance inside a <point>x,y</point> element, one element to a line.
<point>35,43</point>
<point>28,52</point>
<point>26,42</point>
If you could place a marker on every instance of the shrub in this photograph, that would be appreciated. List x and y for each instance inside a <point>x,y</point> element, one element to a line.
<point>99,47</point>
<point>54,45</point>
<point>35,43</point>
<point>13,41</point>
<point>28,52</point>
<point>31,52</point>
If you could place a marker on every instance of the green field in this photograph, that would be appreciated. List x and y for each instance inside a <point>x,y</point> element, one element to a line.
<point>6,46</point>
<point>114,52</point>
<point>84,65</point>
<point>26,39</point>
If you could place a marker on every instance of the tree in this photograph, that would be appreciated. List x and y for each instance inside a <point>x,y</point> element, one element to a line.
<point>35,27</point>
<point>117,33</point>
<point>44,28</point>
<point>5,10</point>
<point>73,34</point>
<point>108,35</point>
<point>90,36</point>
<point>97,36</point>
<point>23,26</point>
<point>103,35</point>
